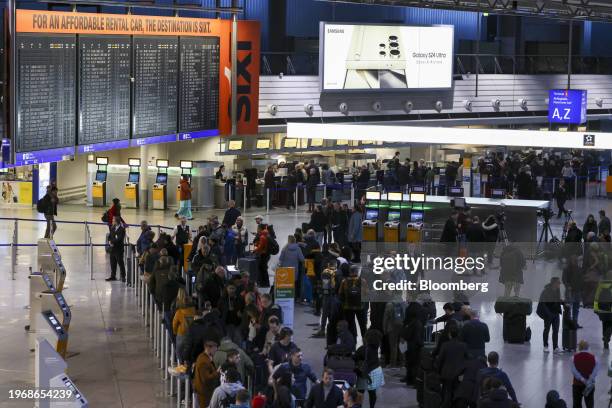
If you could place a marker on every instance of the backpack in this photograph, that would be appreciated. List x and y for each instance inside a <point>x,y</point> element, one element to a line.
<point>228,400</point>
<point>40,206</point>
<point>273,247</point>
<point>182,235</point>
<point>327,282</point>
<point>105,216</point>
<point>353,293</point>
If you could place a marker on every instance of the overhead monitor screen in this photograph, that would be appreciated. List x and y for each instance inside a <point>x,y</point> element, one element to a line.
<point>316,142</point>
<point>263,143</point>
<point>498,193</point>
<point>393,216</point>
<point>290,143</point>
<point>417,197</point>
<point>372,195</point>
<point>341,142</point>
<point>455,191</point>
<point>371,215</point>
<point>395,196</point>
<point>386,57</point>
<point>235,145</point>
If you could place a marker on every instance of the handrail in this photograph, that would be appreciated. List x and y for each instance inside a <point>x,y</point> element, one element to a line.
<point>77,222</point>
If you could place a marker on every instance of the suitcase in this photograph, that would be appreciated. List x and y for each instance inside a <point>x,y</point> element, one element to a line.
<point>248,265</point>
<point>514,328</point>
<point>346,375</point>
<point>513,305</point>
<point>569,339</point>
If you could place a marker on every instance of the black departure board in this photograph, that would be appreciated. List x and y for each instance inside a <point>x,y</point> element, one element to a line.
<point>46,92</point>
<point>104,88</point>
<point>155,86</point>
<point>199,84</point>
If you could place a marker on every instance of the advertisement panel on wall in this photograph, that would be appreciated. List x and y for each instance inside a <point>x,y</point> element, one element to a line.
<point>385,57</point>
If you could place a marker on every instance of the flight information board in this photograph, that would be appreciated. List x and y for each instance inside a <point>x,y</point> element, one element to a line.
<point>199,84</point>
<point>104,88</point>
<point>46,92</point>
<point>155,86</point>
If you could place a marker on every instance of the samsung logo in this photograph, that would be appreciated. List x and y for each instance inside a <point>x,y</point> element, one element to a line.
<point>335,31</point>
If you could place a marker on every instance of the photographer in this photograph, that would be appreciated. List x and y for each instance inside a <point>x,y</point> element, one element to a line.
<point>561,197</point>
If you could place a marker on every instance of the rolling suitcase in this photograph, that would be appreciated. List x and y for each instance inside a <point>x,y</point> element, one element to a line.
<point>248,265</point>
<point>514,328</point>
<point>569,333</point>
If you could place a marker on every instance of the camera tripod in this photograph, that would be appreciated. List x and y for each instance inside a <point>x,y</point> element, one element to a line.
<point>546,230</point>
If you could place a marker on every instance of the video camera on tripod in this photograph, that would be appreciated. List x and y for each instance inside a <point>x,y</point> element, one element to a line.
<point>546,213</point>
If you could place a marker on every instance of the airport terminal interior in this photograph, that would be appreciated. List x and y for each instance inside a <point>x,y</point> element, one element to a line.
<point>305,203</point>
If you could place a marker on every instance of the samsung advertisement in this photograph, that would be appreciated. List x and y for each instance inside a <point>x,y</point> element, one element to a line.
<point>386,57</point>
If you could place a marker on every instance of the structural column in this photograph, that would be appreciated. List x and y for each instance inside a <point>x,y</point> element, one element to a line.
<point>143,186</point>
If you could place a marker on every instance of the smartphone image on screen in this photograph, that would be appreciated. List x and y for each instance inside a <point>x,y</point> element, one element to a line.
<point>376,59</point>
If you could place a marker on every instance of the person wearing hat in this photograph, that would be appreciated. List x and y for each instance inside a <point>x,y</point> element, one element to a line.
<point>206,376</point>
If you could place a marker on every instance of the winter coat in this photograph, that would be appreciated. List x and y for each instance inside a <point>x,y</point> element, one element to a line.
<point>512,263</point>
<point>291,256</point>
<point>355,227</point>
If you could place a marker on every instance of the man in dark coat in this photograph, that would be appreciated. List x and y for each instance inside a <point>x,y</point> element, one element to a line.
<point>549,309</point>
<point>475,334</point>
<point>325,394</point>
<point>449,233</point>
<point>412,333</point>
<point>450,364</point>
<point>213,287</point>
<point>116,237</point>
<point>512,262</point>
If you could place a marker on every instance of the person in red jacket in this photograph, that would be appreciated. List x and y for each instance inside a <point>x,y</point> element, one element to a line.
<point>584,369</point>
<point>185,199</point>
<point>263,256</point>
<point>114,211</point>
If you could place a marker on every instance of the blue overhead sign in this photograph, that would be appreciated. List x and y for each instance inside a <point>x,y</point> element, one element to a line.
<point>567,106</point>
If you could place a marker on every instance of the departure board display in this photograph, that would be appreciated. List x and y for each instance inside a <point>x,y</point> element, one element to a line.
<point>46,92</point>
<point>104,88</point>
<point>155,86</point>
<point>199,83</point>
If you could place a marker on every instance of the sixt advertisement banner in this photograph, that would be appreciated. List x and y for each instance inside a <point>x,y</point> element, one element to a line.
<point>567,106</point>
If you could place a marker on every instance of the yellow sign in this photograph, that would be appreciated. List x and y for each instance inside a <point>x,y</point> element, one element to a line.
<point>158,194</point>
<point>285,278</point>
<point>25,193</point>
<point>186,252</point>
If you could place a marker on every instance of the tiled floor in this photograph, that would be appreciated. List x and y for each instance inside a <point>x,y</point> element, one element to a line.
<point>115,368</point>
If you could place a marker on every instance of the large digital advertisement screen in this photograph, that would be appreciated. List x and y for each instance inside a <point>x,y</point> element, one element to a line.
<point>386,57</point>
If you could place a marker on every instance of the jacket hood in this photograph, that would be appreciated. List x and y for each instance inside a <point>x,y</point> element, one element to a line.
<point>231,388</point>
<point>293,247</point>
<point>227,345</point>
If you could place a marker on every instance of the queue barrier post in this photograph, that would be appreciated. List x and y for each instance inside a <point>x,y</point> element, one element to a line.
<point>352,195</point>
<point>244,194</point>
<point>187,392</point>
<point>267,200</point>
<point>14,244</point>
<point>575,192</point>
<point>295,202</point>
<point>162,338</point>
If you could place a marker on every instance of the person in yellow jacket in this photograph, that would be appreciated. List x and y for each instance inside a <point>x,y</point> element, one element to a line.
<point>183,317</point>
<point>206,374</point>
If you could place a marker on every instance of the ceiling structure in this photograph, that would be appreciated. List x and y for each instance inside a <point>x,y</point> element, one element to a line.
<point>592,10</point>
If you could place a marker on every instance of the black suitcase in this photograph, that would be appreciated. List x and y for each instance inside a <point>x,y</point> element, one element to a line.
<point>248,265</point>
<point>569,339</point>
<point>514,305</point>
<point>514,328</point>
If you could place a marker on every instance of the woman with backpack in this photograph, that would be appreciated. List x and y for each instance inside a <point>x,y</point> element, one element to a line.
<point>183,316</point>
<point>112,212</point>
<point>262,252</point>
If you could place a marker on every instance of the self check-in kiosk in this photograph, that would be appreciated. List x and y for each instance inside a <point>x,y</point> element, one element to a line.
<point>391,230</point>
<point>75,398</point>
<point>186,166</point>
<point>498,193</point>
<point>160,198</point>
<point>50,328</point>
<point>49,364</point>
<point>415,226</point>
<point>54,302</point>
<point>98,188</point>
<point>131,187</point>
<point>50,262</point>
<point>372,216</point>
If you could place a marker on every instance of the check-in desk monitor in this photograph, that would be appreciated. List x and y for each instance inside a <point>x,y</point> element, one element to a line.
<point>499,193</point>
<point>76,399</point>
<point>455,192</point>
<point>161,178</point>
<point>415,226</point>
<point>458,202</point>
<point>133,177</point>
<point>263,144</point>
<point>101,176</point>
<point>371,215</point>
<point>393,216</point>
<point>373,195</point>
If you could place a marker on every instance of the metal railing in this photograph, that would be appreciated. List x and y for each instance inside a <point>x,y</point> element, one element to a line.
<point>291,63</point>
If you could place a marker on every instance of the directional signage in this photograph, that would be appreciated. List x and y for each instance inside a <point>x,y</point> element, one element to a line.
<point>567,106</point>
